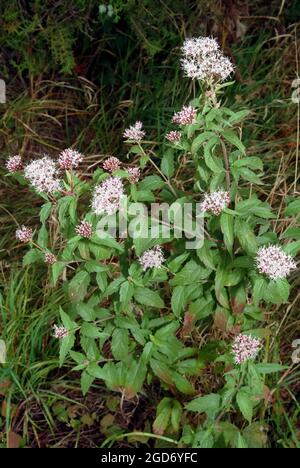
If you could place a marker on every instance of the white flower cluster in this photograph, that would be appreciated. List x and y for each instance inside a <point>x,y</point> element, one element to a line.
<point>245,347</point>
<point>203,60</point>
<point>134,132</point>
<point>107,196</point>
<point>274,262</point>
<point>215,202</point>
<point>24,234</point>
<point>43,175</point>
<point>152,258</point>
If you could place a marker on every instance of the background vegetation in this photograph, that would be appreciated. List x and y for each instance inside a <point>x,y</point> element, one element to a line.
<point>77,73</point>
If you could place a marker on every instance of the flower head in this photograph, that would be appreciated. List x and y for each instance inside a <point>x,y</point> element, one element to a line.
<point>14,164</point>
<point>186,116</point>
<point>107,196</point>
<point>203,60</point>
<point>134,132</point>
<point>274,262</point>
<point>111,164</point>
<point>215,202</point>
<point>24,234</point>
<point>84,229</point>
<point>135,174</point>
<point>50,258</point>
<point>245,347</point>
<point>43,175</point>
<point>174,136</point>
<point>60,332</point>
<point>152,258</point>
<point>69,159</point>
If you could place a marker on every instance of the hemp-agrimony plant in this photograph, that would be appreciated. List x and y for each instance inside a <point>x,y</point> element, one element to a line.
<point>140,307</point>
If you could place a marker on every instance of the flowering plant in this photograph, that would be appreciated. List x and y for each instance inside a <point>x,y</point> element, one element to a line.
<point>141,309</point>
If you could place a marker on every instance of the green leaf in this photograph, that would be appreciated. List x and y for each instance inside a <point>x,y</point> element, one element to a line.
<point>199,140</point>
<point>45,212</point>
<point>178,300</point>
<point>153,182</point>
<point>66,344</point>
<point>245,236</point>
<point>33,256</point>
<point>90,330</point>
<point>126,292</point>
<point>78,286</point>
<point>182,384</point>
<point>226,222</point>
<point>148,298</point>
<point>86,381</point>
<point>191,273</point>
<point>243,399</point>
<point>232,138</point>
<point>162,420</point>
<point>209,404</point>
<point>167,164</point>
<point>269,368</point>
<point>277,291</point>
<point>293,208</point>
<point>119,344</point>
<point>57,269</point>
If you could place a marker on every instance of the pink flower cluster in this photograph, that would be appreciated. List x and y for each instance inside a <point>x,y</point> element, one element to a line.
<point>107,196</point>
<point>245,347</point>
<point>50,258</point>
<point>84,229</point>
<point>185,116</point>
<point>60,332</point>
<point>215,202</point>
<point>274,262</point>
<point>14,164</point>
<point>24,234</point>
<point>134,174</point>
<point>69,159</point>
<point>173,136</point>
<point>134,132</point>
<point>112,164</point>
<point>152,258</point>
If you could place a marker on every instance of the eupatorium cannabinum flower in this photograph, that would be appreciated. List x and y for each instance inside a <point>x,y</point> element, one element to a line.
<point>152,258</point>
<point>186,116</point>
<point>135,174</point>
<point>274,262</point>
<point>60,332</point>
<point>245,347</point>
<point>112,164</point>
<point>50,258</point>
<point>203,60</point>
<point>107,196</point>
<point>84,229</point>
<point>14,164</point>
<point>215,202</point>
<point>24,234</point>
<point>134,132</point>
<point>43,175</point>
<point>173,136</point>
<point>69,159</point>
